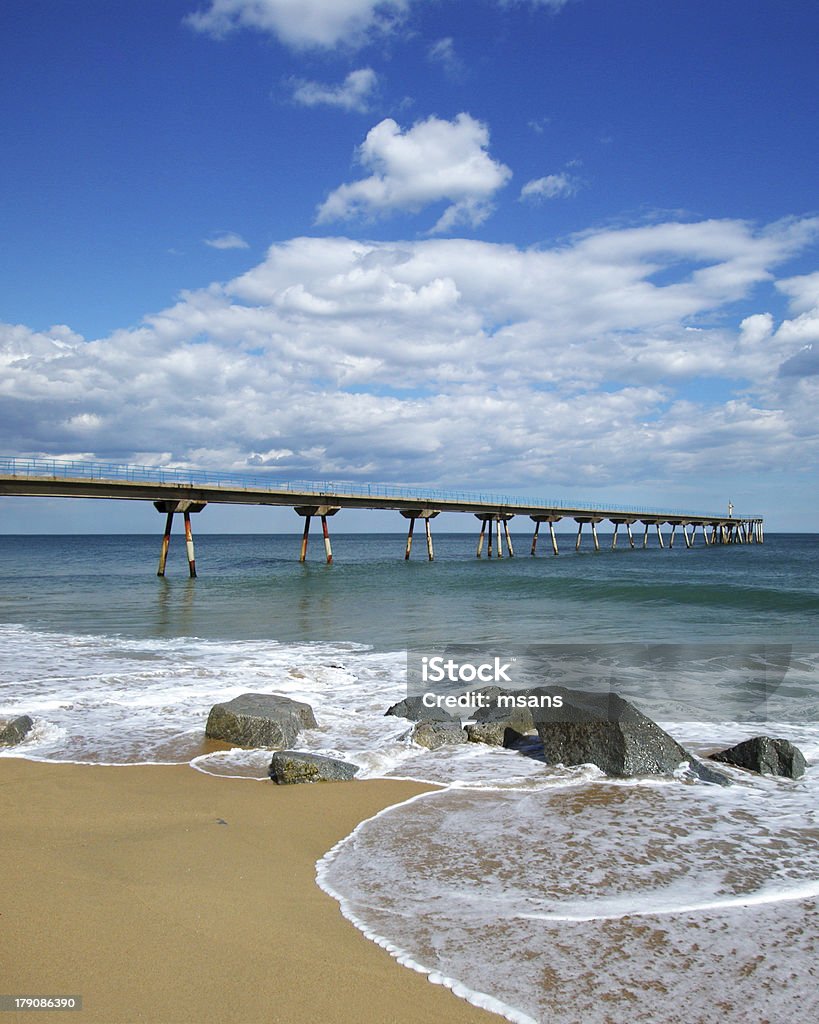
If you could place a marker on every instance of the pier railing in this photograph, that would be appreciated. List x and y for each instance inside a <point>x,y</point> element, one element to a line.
<point>80,469</point>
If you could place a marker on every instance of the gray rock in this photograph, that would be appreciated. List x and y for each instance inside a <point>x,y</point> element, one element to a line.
<point>497,733</point>
<point>292,766</point>
<point>606,730</point>
<point>15,730</point>
<point>259,720</point>
<point>766,756</point>
<point>415,710</point>
<point>433,734</point>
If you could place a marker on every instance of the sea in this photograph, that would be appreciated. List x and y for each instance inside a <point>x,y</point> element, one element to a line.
<point>540,892</point>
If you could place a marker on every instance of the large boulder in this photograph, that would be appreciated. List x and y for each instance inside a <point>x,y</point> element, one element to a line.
<point>432,734</point>
<point>14,730</point>
<point>605,730</point>
<point>766,756</point>
<point>292,766</point>
<point>259,720</point>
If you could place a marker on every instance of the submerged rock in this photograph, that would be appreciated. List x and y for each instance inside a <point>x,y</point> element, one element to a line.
<point>765,756</point>
<point>608,731</point>
<point>14,730</point>
<point>292,766</point>
<point>432,734</point>
<point>259,720</point>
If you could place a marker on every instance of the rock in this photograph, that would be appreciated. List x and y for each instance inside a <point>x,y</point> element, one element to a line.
<point>766,756</point>
<point>14,730</point>
<point>415,710</point>
<point>432,734</point>
<point>259,720</point>
<point>608,731</point>
<point>293,766</point>
<point>497,733</point>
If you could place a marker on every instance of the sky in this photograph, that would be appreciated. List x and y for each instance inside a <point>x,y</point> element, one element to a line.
<point>558,248</point>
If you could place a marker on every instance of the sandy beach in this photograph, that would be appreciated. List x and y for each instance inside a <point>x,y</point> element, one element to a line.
<point>163,895</point>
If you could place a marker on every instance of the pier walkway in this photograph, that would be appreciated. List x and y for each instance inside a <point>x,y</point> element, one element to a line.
<point>175,491</point>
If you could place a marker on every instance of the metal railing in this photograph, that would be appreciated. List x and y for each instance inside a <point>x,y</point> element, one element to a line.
<point>78,469</point>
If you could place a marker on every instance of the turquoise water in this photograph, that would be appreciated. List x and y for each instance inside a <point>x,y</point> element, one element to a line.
<point>553,864</point>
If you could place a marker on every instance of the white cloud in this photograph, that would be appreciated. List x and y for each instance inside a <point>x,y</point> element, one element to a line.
<point>443,52</point>
<point>354,93</point>
<point>451,360</point>
<point>434,161</point>
<point>552,186</point>
<point>227,240</point>
<point>301,23</point>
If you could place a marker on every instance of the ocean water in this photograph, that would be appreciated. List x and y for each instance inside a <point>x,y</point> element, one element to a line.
<point>541,892</point>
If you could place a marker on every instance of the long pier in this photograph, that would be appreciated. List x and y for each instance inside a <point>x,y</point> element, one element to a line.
<point>185,492</point>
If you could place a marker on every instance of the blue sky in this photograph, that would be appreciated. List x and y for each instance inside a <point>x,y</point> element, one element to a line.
<point>560,248</point>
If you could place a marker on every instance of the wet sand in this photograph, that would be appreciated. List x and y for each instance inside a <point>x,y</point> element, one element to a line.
<point>163,895</point>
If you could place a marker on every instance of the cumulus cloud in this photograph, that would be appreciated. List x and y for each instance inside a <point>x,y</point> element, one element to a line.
<point>301,23</point>
<point>552,186</point>
<point>449,360</point>
<point>435,160</point>
<point>354,93</point>
<point>227,240</point>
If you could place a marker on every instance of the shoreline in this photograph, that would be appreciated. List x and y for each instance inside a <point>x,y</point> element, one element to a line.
<point>161,894</point>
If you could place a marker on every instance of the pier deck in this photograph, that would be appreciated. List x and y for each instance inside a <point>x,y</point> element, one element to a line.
<point>189,491</point>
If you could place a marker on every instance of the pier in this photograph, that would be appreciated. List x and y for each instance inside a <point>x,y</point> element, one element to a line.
<point>186,492</point>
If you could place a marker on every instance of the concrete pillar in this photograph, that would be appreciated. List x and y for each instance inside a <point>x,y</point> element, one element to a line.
<point>304,538</point>
<point>534,537</point>
<point>579,535</point>
<point>410,528</point>
<point>327,548</point>
<point>430,552</point>
<point>630,535</point>
<point>671,538</point>
<point>481,536</point>
<point>553,537</point>
<point>660,536</point>
<point>508,538</point>
<point>500,543</point>
<point>614,536</point>
<point>189,544</point>
<point>595,538</point>
<point>166,542</point>
<point>645,535</point>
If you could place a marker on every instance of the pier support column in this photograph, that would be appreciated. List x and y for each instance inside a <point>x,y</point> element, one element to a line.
<point>166,543</point>
<point>170,508</point>
<point>595,538</point>
<point>482,535</point>
<point>328,551</point>
<point>410,528</point>
<point>660,535</point>
<point>630,535</point>
<point>579,535</point>
<point>189,544</point>
<point>553,537</point>
<point>688,541</point>
<point>304,538</point>
<point>645,534</point>
<point>509,547</point>
<point>671,538</point>
<point>500,542</point>
<point>614,536</point>
<point>534,537</point>
<point>323,511</point>
<point>430,552</point>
